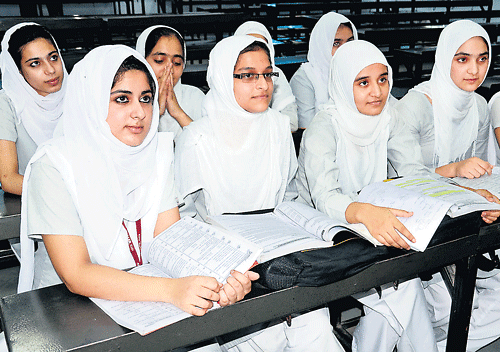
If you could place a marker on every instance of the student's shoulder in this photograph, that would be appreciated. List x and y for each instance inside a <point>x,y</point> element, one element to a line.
<point>195,132</point>
<point>5,102</point>
<point>413,99</point>
<point>321,127</point>
<point>192,90</point>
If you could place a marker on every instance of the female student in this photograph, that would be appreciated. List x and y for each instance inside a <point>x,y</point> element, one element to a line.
<point>450,121</point>
<point>239,157</point>
<point>33,85</point>
<point>98,194</point>
<point>283,99</point>
<point>165,50</point>
<point>345,148</point>
<point>310,82</point>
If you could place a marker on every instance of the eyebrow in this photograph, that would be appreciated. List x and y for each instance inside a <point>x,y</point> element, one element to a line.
<point>122,91</point>
<point>253,68</point>
<point>467,54</point>
<point>37,58</point>
<point>365,77</point>
<point>348,39</point>
<point>165,54</point>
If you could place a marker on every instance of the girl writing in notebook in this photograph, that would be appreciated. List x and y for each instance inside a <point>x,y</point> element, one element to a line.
<point>33,85</point>
<point>100,193</point>
<point>345,148</point>
<point>165,50</point>
<point>310,82</point>
<point>451,123</point>
<point>239,157</point>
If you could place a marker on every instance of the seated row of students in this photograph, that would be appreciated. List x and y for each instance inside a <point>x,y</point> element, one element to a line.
<point>86,188</point>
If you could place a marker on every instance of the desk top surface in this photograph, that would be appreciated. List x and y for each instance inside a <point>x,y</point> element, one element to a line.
<point>54,319</point>
<point>10,205</point>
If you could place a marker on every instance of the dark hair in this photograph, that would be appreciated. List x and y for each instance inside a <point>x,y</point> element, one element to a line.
<point>346,24</point>
<point>255,46</point>
<point>156,34</point>
<point>25,35</point>
<point>133,63</point>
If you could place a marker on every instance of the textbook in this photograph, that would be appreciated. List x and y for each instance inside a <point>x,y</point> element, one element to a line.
<point>291,227</point>
<point>429,199</point>
<point>188,247</point>
<point>488,182</point>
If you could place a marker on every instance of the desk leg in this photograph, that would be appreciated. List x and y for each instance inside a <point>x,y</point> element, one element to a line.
<point>461,306</point>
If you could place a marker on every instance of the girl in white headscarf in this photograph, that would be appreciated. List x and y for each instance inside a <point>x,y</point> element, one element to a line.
<point>345,148</point>
<point>239,157</point>
<point>165,50</point>
<point>33,82</point>
<point>451,123</point>
<point>98,194</point>
<point>310,82</point>
<point>283,99</point>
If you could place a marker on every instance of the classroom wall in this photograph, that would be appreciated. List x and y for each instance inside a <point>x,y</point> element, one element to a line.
<point>85,9</point>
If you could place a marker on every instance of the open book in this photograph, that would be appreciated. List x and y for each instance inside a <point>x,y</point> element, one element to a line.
<point>291,227</point>
<point>488,182</point>
<point>188,247</point>
<point>429,199</point>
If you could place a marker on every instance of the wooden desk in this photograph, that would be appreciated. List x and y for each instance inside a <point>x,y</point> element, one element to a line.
<point>53,318</point>
<point>10,215</point>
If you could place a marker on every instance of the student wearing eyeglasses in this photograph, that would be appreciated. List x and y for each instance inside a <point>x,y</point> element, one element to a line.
<point>240,157</point>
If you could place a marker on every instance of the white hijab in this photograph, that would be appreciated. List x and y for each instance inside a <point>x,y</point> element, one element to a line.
<point>320,53</point>
<point>108,180</point>
<point>243,158</point>
<point>455,110</point>
<point>282,93</point>
<point>184,96</point>
<point>362,146</point>
<point>39,115</point>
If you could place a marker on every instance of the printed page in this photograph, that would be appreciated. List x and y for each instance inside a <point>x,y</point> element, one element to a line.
<point>428,212</point>
<point>191,247</point>
<point>318,223</point>
<point>488,182</point>
<point>463,200</point>
<point>276,237</point>
<point>142,317</point>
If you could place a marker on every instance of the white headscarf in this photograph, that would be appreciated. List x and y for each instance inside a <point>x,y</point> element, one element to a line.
<point>108,180</point>
<point>320,53</point>
<point>455,111</point>
<point>243,158</point>
<point>38,114</point>
<point>282,94</point>
<point>183,95</point>
<point>362,146</point>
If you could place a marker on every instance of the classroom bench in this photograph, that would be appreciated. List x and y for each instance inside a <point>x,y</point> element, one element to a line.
<point>53,318</point>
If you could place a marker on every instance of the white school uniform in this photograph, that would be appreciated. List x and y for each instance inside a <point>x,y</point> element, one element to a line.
<point>435,126</point>
<point>190,98</point>
<point>310,82</point>
<point>26,117</point>
<point>342,151</point>
<point>87,182</point>
<point>283,99</point>
<point>236,161</point>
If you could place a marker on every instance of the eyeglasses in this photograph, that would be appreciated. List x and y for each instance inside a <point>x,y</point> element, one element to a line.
<point>254,77</point>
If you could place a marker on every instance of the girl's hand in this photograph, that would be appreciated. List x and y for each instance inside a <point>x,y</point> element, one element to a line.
<point>382,223</point>
<point>472,168</point>
<point>163,90</point>
<point>236,287</point>
<point>489,216</point>
<point>194,294</point>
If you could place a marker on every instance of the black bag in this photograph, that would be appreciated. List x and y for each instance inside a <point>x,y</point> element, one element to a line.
<point>322,266</point>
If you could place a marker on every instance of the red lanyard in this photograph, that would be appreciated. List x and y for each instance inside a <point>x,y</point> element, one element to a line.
<point>138,260</point>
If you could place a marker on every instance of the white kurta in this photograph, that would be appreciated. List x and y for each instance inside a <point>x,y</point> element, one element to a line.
<point>303,89</point>
<point>13,130</point>
<point>484,328</point>
<point>189,99</point>
<point>400,318</point>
